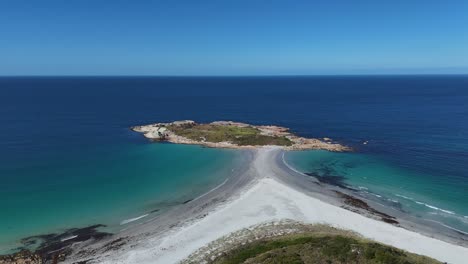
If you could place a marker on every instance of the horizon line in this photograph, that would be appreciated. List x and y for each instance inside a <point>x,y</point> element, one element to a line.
<point>238,75</point>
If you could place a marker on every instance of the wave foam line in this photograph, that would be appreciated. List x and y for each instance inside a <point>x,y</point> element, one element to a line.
<point>68,238</point>
<point>132,219</point>
<point>435,208</point>
<point>139,217</point>
<point>291,168</point>
<point>447,226</point>
<point>212,190</point>
<point>402,196</point>
<point>427,205</point>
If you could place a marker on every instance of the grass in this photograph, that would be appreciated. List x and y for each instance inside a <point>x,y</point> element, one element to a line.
<point>242,136</point>
<point>315,248</point>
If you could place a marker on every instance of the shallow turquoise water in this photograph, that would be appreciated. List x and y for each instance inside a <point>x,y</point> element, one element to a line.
<point>112,185</point>
<point>68,159</point>
<point>433,197</point>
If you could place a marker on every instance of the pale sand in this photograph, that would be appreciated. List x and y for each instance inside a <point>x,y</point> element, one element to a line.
<point>269,198</point>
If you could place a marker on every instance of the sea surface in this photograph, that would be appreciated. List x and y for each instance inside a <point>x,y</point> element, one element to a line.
<point>68,158</point>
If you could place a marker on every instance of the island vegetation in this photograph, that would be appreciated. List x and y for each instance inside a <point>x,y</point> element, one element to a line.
<point>298,243</point>
<point>229,134</point>
<point>303,249</point>
<point>238,135</point>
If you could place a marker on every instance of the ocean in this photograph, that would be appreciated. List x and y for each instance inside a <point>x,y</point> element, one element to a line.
<point>68,158</point>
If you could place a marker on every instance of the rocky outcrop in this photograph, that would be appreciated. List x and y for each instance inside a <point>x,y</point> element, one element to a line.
<point>22,257</point>
<point>53,248</point>
<point>162,132</point>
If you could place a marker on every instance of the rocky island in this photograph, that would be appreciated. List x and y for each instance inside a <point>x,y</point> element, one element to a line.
<point>229,134</point>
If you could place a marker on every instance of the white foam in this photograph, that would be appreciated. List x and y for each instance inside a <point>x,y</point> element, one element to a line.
<point>290,167</point>
<point>449,227</point>
<point>68,238</point>
<point>214,189</point>
<point>402,196</point>
<point>435,208</point>
<point>132,219</point>
<point>427,205</point>
<point>379,196</point>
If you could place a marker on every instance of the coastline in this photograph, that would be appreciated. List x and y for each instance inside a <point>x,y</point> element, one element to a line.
<point>232,134</point>
<point>265,189</point>
<point>155,186</point>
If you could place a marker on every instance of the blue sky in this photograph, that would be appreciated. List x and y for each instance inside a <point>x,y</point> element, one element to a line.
<point>232,37</point>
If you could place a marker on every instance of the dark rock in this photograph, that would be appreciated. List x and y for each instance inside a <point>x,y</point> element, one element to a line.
<point>358,203</point>
<point>188,201</point>
<point>23,257</point>
<point>53,247</point>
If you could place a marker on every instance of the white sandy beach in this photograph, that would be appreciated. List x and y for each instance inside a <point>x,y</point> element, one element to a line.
<point>269,199</point>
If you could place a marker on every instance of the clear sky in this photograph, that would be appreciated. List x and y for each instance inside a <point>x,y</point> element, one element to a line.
<point>232,37</point>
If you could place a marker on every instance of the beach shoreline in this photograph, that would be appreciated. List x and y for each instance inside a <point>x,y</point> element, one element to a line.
<point>266,189</point>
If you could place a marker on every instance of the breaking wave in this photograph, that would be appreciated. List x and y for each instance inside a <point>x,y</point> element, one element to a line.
<point>132,219</point>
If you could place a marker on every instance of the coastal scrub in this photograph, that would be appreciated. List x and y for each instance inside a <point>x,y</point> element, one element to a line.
<point>242,136</point>
<point>311,248</point>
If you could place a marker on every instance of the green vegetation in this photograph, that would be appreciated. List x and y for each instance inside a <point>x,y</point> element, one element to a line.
<point>320,248</point>
<point>242,136</point>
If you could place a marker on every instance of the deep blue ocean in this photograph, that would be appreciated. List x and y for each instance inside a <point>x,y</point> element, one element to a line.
<point>68,158</point>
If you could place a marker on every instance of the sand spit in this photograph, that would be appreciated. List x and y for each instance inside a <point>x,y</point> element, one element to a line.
<point>265,191</point>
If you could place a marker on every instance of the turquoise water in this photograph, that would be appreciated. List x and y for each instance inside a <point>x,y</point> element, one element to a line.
<point>68,159</point>
<point>114,184</point>
<point>433,197</point>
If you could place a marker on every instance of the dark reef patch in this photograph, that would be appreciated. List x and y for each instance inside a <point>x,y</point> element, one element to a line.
<point>331,180</point>
<point>187,201</point>
<point>53,248</point>
<point>154,211</point>
<point>358,203</point>
<point>326,175</point>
